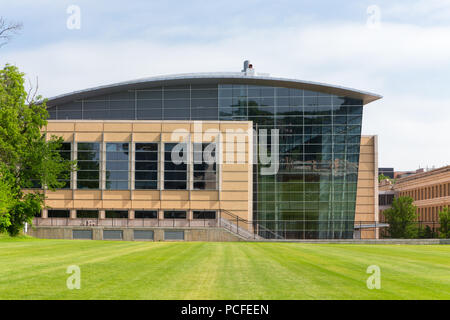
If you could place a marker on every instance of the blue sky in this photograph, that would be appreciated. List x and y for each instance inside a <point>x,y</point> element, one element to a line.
<point>404,57</point>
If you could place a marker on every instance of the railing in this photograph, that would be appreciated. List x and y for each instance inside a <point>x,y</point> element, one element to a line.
<point>125,222</point>
<point>260,229</point>
<point>244,228</point>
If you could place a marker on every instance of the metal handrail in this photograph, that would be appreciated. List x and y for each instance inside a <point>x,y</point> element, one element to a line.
<point>256,229</point>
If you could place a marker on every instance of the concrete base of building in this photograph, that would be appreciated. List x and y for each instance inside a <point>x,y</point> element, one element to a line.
<point>203,234</point>
<point>127,234</point>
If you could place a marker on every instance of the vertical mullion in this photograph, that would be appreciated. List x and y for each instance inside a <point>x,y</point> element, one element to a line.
<point>135,104</point>
<point>102,160</point>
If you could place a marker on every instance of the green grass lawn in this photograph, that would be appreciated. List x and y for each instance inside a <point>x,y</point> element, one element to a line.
<point>36,269</point>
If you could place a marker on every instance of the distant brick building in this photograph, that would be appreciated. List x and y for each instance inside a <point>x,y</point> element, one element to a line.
<point>430,191</point>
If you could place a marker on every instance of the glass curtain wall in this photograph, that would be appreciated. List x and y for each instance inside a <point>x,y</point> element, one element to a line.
<point>313,194</point>
<point>186,102</point>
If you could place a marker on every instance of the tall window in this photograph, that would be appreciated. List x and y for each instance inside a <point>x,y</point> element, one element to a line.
<point>175,173</point>
<point>204,166</point>
<point>117,162</point>
<point>64,152</point>
<point>88,161</point>
<point>146,166</point>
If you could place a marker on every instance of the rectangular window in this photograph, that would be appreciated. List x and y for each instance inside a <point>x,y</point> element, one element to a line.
<point>204,214</point>
<point>82,234</point>
<point>143,234</point>
<point>173,234</point>
<point>117,162</point>
<point>116,214</point>
<point>112,234</point>
<point>204,166</point>
<point>58,213</point>
<point>174,214</point>
<point>88,161</point>
<point>92,214</point>
<point>146,166</point>
<point>65,153</point>
<point>146,214</point>
<point>175,170</point>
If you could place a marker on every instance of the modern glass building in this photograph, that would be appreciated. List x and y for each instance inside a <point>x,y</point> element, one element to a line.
<point>312,194</point>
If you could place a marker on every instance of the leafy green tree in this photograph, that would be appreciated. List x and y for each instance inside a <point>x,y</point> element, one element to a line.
<point>444,221</point>
<point>382,177</point>
<point>27,156</point>
<point>5,199</point>
<point>401,218</point>
<point>426,233</point>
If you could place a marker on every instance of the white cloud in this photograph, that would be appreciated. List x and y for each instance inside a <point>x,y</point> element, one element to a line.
<point>411,128</point>
<point>419,11</point>
<point>412,131</point>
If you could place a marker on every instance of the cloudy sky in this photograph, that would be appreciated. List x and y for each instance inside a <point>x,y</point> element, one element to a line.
<point>397,48</point>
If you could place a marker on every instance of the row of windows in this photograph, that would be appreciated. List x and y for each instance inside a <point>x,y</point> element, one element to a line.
<point>138,214</point>
<point>430,214</point>
<point>259,105</point>
<point>117,165</point>
<point>200,102</point>
<point>426,214</point>
<point>299,129</point>
<point>337,207</point>
<point>223,91</point>
<point>436,191</point>
<point>175,175</point>
<point>280,106</point>
<point>239,90</point>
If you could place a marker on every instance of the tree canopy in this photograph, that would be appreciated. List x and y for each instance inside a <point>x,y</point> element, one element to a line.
<point>401,218</point>
<point>382,177</point>
<point>444,221</point>
<point>28,157</point>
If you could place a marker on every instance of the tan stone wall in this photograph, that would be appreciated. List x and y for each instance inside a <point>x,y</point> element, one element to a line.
<point>234,179</point>
<point>367,192</point>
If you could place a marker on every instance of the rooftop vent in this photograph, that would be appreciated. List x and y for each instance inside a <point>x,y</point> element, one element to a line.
<point>248,68</point>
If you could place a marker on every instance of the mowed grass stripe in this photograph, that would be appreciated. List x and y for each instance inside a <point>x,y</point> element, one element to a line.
<point>147,274</point>
<point>35,269</point>
<point>312,276</point>
<point>395,261</point>
<point>52,269</point>
<point>393,268</point>
<point>51,257</point>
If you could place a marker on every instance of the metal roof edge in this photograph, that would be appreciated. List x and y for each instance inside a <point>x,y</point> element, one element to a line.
<point>241,77</point>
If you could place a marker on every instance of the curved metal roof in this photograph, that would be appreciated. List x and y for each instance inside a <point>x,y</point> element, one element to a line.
<point>207,78</point>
